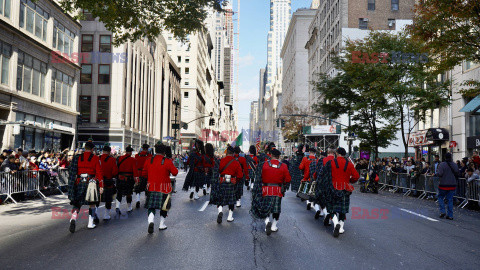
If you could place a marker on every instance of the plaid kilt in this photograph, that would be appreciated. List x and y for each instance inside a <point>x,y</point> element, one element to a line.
<point>109,190</point>
<point>142,185</point>
<point>155,200</point>
<point>274,203</point>
<point>341,204</point>
<point>208,178</point>
<point>198,179</point>
<point>296,173</point>
<point>239,188</point>
<point>336,201</point>
<point>223,194</point>
<point>125,187</point>
<point>80,192</point>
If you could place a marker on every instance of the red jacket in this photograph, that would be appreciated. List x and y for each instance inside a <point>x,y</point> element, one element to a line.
<point>158,175</point>
<point>109,166</point>
<point>243,163</point>
<point>255,159</point>
<point>305,167</point>
<point>91,167</point>
<point>127,164</point>
<point>342,178</point>
<point>233,169</point>
<point>140,158</point>
<point>327,159</point>
<point>272,175</point>
<point>208,163</point>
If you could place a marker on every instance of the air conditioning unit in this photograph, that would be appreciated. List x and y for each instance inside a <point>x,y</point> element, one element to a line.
<point>365,19</point>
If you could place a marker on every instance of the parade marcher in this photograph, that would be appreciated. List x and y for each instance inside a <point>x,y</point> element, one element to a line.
<point>305,167</point>
<point>335,179</point>
<point>127,177</point>
<point>195,178</point>
<point>252,162</point>
<point>142,184</point>
<point>275,177</point>
<point>226,175</point>
<point>110,172</point>
<point>294,169</point>
<point>158,169</point>
<point>85,184</point>
<point>320,206</point>
<point>241,181</point>
<point>209,164</point>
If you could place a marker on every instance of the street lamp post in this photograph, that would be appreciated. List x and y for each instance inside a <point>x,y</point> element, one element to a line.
<point>176,126</point>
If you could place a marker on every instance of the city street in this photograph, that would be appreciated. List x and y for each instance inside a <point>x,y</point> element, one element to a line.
<point>410,238</point>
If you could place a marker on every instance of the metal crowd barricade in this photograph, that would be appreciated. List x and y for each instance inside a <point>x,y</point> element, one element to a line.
<point>382,179</point>
<point>19,182</point>
<point>62,179</point>
<point>472,193</point>
<point>420,186</point>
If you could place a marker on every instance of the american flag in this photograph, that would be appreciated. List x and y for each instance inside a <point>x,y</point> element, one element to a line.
<point>257,143</point>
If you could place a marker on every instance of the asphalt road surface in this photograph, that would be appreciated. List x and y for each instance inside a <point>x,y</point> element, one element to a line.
<point>406,234</point>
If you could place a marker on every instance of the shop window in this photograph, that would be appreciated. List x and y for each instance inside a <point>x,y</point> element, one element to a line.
<point>85,105</point>
<point>103,108</point>
<point>86,74</point>
<point>105,43</point>
<point>87,43</point>
<point>103,74</point>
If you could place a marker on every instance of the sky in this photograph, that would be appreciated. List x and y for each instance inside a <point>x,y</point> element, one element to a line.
<point>254,26</point>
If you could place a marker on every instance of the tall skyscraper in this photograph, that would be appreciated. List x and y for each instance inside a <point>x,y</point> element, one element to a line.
<point>229,54</point>
<point>280,13</point>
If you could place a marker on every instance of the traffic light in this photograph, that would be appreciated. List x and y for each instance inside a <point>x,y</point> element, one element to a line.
<point>211,122</point>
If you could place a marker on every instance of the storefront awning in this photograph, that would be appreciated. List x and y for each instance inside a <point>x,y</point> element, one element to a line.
<point>473,106</point>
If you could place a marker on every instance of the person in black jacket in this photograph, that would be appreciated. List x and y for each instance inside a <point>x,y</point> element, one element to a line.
<point>448,172</point>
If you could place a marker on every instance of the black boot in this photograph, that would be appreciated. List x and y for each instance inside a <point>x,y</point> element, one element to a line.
<point>220,217</point>
<point>72,226</point>
<point>268,228</point>
<point>150,227</point>
<point>191,195</point>
<point>137,205</point>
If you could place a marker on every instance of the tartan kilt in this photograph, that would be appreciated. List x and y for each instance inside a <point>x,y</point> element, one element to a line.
<point>198,179</point>
<point>274,203</point>
<point>208,178</point>
<point>223,194</point>
<point>251,174</point>
<point>125,187</point>
<point>109,190</point>
<point>142,185</point>
<point>80,192</point>
<point>239,188</point>
<point>338,201</point>
<point>155,200</point>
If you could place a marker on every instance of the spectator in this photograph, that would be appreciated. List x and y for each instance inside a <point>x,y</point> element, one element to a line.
<point>476,159</point>
<point>448,173</point>
<point>9,165</point>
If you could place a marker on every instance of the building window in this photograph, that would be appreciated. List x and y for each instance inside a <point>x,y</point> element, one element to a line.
<point>34,19</point>
<point>105,43</point>
<point>5,54</point>
<point>363,23</point>
<point>395,4</point>
<point>5,8</point>
<point>391,23</point>
<point>187,70</point>
<point>371,4</point>
<point>187,83</point>
<point>87,15</point>
<point>86,74</point>
<point>185,94</point>
<point>61,88</point>
<point>179,58</point>
<point>31,74</point>
<point>103,74</point>
<point>103,107</point>
<point>63,39</point>
<point>87,43</point>
<point>85,107</point>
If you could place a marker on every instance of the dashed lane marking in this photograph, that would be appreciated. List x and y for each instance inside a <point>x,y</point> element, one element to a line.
<point>204,206</point>
<point>417,214</point>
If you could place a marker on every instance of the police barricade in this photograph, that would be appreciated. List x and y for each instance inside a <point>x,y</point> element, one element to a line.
<point>61,179</point>
<point>382,180</point>
<point>19,182</point>
<point>461,190</point>
<point>431,186</point>
<point>390,180</point>
<point>472,193</point>
<point>403,183</point>
<point>420,185</point>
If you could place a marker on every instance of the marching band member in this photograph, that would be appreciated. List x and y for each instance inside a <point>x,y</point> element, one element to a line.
<point>336,178</point>
<point>275,177</point>
<point>140,158</point>
<point>195,178</point>
<point>127,176</point>
<point>241,181</point>
<point>209,164</point>
<point>158,169</point>
<point>110,171</point>
<point>252,162</point>
<point>85,184</point>
<point>294,169</point>
<point>305,167</point>
<point>223,189</point>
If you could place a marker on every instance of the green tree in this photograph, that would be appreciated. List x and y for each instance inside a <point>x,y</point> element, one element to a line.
<point>382,91</point>
<point>133,20</point>
<point>450,30</point>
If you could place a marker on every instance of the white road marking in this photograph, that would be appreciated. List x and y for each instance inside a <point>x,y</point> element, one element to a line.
<point>419,215</point>
<point>204,206</point>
